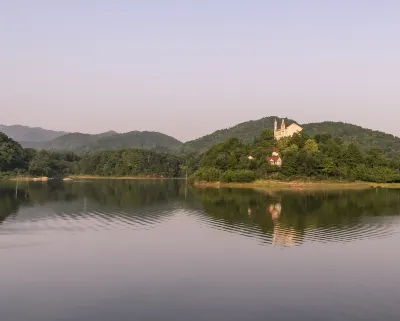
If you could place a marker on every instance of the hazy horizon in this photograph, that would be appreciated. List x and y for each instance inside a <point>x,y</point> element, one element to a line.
<point>187,70</point>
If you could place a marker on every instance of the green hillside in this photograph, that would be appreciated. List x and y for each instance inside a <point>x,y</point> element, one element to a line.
<point>247,131</point>
<point>78,142</point>
<point>363,137</point>
<point>21,133</point>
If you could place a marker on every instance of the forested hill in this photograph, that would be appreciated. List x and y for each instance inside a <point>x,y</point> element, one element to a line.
<point>78,142</point>
<point>247,131</point>
<point>363,137</point>
<point>25,133</point>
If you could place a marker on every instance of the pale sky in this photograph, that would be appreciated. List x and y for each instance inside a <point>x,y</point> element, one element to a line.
<point>187,68</point>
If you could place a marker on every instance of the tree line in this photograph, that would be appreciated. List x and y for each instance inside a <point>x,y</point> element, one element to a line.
<point>303,156</point>
<point>15,160</point>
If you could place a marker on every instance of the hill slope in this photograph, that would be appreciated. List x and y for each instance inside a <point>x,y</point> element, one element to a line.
<point>78,142</point>
<point>363,137</point>
<point>25,133</point>
<point>247,131</point>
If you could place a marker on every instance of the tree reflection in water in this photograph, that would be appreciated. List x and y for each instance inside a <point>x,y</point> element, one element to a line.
<point>281,218</point>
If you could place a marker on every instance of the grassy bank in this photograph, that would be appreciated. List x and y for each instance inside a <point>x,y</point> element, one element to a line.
<point>299,185</point>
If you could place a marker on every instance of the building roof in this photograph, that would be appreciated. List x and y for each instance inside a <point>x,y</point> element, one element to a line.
<point>273,158</point>
<point>292,124</point>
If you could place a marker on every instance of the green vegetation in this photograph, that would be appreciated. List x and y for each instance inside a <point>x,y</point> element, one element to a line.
<point>130,162</point>
<point>246,132</point>
<point>363,138</point>
<point>240,176</point>
<point>334,151</point>
<point>11,155</point>
<point>16,161</point>
<point>321,157</point>
<point>207,174</point>
<point>82,143</point>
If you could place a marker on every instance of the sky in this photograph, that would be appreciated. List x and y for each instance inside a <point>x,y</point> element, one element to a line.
<point>187,68</point>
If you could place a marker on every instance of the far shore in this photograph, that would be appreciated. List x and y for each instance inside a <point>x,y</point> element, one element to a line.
<point>88,177</point>
<point>258,184</point>
<point>120,177</point>
<point>299,185</point>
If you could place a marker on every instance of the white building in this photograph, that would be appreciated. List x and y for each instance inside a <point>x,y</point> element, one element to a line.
<point>285,131</point>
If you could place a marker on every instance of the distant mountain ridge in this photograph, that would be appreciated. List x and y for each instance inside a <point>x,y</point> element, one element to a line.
<point>78,142</point>
<point>33,134</point>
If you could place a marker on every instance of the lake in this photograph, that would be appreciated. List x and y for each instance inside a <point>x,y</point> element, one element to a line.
<point>162,250</point>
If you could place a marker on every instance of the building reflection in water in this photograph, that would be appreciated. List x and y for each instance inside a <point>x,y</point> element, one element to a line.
<point>282,235</point>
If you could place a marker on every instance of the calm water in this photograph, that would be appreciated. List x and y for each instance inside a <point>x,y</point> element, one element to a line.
<point>148,250</point>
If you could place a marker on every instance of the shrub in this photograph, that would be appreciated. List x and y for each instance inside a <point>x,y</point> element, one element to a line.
<point>239,176</point>
<point>207,174</point>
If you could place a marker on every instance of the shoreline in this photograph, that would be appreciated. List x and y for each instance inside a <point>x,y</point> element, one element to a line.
<point>87,177</point>
<point>298,185</point>
<point>120,177</point>
<point>258,184</point>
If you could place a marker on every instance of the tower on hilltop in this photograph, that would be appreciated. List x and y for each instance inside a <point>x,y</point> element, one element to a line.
<point>285,131</point>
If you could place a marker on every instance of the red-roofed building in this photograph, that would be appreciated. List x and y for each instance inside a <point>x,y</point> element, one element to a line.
<point>274,159</point>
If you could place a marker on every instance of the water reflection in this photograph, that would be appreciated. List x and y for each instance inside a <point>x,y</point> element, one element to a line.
<point>292,218</point>
<point>80,206</point>
<point>156,250</point>
<point>282,219</point>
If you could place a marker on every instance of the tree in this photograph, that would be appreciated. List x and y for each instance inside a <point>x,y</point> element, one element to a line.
<point>352,156</point>
<point>11,154</point>
<point>328,166</point>
<point>310,147</point>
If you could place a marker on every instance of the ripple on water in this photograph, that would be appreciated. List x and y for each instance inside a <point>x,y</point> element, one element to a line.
<point>276,233</point>
<point>283,235</point>
<point>94,220</point>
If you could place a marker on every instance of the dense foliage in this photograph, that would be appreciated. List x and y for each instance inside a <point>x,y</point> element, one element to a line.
<point>14,160</point>
<point>247,131</point>
<point>11,154</point>
<point>130,162</point>
<point>364,138</point>
<point>321,157</point>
